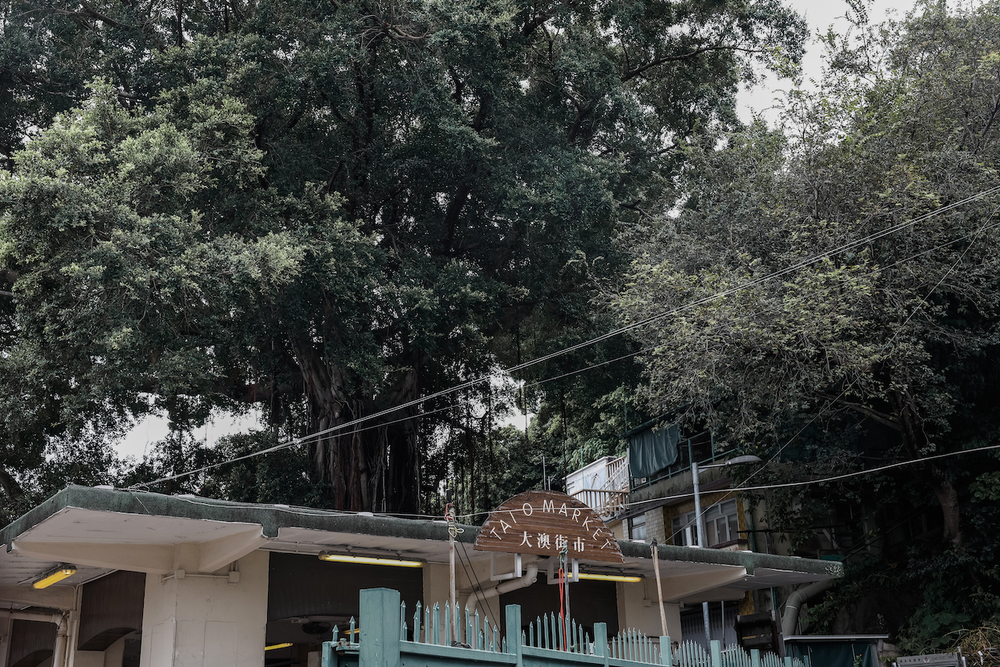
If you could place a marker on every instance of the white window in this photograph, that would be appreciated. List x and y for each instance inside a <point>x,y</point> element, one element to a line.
<point>721,525</point>
<point>637,527</point>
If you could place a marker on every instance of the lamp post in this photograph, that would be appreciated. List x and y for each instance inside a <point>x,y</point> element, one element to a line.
<point>700,518</point>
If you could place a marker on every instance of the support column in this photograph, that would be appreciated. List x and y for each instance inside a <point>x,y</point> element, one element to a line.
<point>197,620</point>
<point>5,626</point>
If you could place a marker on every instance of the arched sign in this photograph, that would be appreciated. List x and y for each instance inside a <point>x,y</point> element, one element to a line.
<point>542,523</point>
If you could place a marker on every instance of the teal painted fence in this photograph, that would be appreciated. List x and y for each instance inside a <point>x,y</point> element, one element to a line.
<point>392,637</point>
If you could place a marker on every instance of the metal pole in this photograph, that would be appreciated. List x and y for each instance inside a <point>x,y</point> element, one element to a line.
<point>454,597</point>
<point>452,531</point>
<point>659,589</point>
<point>700,522</point>
<point>567,616</point>
<point>722,608</point>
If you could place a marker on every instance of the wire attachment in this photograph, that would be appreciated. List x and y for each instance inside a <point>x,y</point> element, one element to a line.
<point>449,517</point>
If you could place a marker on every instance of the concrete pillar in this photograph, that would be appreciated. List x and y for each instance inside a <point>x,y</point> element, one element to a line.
<point>5,626</point>
<point>196,620</point>
<point>89,659</point>
<point>114,654</point>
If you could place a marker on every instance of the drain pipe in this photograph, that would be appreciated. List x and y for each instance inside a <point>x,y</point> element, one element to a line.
<point>59,652</point>
<point>530,577</point>
<point>790,617</point>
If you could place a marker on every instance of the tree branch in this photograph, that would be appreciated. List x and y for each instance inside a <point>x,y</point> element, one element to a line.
<point>881,418</point>
<point>631,74</point>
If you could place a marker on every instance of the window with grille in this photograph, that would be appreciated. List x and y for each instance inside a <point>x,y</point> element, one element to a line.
<point>721,525</point>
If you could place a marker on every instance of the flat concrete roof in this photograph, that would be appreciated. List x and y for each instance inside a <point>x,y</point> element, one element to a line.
<point>103,529</point>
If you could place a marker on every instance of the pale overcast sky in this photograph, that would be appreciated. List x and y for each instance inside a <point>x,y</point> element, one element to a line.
<point>820,15</point>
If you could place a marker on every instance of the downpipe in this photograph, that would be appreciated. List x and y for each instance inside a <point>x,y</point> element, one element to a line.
<point>62,627</point>
<point>790,617</point>
<point>530,577</point>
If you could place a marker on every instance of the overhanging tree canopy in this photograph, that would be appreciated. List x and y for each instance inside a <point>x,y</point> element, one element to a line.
<point>332,208</point>
<point>899,332</point>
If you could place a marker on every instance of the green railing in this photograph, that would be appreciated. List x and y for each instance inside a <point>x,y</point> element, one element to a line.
<point>388,639</point>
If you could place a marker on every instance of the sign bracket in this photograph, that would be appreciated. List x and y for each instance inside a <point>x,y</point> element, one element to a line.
<point>572,571</point>
<point>495,575</point>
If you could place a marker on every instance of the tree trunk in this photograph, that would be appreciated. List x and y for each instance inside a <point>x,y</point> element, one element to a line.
<point>948,498</point>
<point>338,456</point>
<point>372,466</point>
<point>914,441</point>
<point>9,484</point>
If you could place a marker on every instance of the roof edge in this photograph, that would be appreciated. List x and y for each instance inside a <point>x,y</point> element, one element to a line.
<point>270,518</point>
<point>746,559</point>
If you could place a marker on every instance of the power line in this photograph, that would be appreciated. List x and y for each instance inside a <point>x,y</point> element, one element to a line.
<point>808,482</point>
<point>888,344</point>
<point>759,312</point>
<point>280,446</point>
<point>755,282</point>
<point>351,425</point>
<point>834,478</point>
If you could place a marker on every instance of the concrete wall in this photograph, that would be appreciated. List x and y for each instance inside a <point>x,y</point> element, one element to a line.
<point>89,659</point>
<point>638,608</point>
<point>114,654</point>
<point>203,621</point>
<point>654,525</point>
<point>436,582</point>
<point>110,657</point>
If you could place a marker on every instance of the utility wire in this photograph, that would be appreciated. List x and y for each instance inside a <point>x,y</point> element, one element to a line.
<point>888,344</point>
<point>756,281</point>
<point>834,478</point>
<point>281,446</point>
<point>808,482</point>
<point>593,341</point>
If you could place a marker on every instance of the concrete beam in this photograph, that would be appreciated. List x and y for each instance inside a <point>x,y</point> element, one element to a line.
<point>56,597</point>
<point>678,588</point>
<point>218,553</point>
<point>151,559</point>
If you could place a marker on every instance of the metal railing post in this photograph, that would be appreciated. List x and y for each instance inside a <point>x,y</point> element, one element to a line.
<point>379,628</point>
<point>716,653</point>
<point>601,642</point>
<point>514,632</point>
<point>666,651</point>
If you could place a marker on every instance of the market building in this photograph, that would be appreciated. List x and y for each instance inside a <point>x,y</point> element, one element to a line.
<point>99,577</point>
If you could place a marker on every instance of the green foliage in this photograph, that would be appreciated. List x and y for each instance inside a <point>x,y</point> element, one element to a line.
<point>882,352</point>
<point>333,208</point>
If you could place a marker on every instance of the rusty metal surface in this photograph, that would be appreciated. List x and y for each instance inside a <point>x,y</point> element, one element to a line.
<point>541,522</point>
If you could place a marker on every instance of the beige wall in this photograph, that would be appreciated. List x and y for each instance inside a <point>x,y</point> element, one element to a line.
<point>654,525</point>
<point>199,621</point>
<point>638,608</point>
<point>110,657</point>
<point>89,659</point>
<point>437,583</point>
<point>114,654</point>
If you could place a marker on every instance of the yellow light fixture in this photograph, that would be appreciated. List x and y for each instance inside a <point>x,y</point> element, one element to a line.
<point>611,577</point>
<point>53,576</point>
<point>277,646</point>
<point>369,560</point>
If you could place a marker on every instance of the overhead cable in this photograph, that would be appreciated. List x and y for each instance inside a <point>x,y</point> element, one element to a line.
<point>352,424</point>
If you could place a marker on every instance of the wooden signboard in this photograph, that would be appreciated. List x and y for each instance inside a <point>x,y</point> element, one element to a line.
<point>542,523</point>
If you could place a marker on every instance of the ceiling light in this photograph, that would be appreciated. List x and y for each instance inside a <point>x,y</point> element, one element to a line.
<point>369,560</point>
<point>611,577</point>
<point>53,576</point>
<point>276,646</point>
